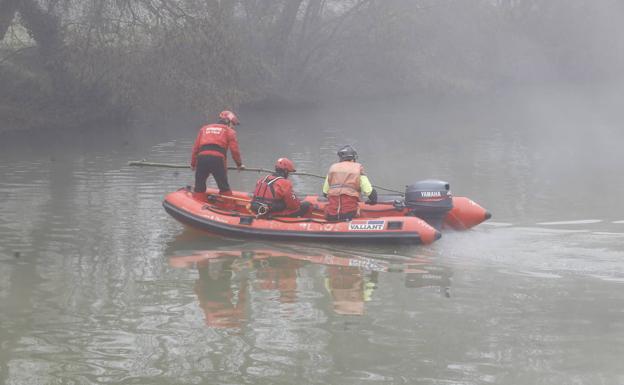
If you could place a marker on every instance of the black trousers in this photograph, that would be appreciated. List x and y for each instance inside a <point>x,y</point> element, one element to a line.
<point>209,164</point>
<point>303,209</point>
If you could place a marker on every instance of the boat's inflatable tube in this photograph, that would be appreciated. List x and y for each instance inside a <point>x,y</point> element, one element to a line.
<point>212,216</point>
<point>465,214</point>
<point>428,207</point>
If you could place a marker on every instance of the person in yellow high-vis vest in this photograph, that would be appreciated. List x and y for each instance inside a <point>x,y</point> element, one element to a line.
<point>344,184</point>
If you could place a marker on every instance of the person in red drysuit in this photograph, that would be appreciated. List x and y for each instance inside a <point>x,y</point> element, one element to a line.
<point>274,193</point>
<point>210,153</point>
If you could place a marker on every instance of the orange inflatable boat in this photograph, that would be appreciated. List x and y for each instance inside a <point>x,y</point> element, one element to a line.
<point>418,217</point>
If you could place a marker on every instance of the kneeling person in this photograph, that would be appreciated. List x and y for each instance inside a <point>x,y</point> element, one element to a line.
<point>274,193</point>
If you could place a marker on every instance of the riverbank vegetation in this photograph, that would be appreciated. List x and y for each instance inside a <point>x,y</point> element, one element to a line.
<point>85,63</point>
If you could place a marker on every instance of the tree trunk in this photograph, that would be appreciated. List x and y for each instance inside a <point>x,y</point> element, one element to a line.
<point>284,26</point>
<point>45,29</point>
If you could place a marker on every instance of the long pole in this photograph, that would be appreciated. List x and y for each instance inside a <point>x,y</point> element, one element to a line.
<point>143,163</point>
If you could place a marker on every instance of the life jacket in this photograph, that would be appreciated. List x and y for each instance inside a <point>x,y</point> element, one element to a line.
<point>265,200</point>
<point>214,138</point>
<point>344,179</point>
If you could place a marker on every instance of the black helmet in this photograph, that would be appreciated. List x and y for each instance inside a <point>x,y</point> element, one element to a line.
<point>347,153</point>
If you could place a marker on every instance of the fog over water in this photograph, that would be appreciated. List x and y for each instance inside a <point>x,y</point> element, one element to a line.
<point>517,104</point>
<point>95,288</point>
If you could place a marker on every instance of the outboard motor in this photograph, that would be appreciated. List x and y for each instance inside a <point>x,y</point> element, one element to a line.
<point>429,200</point>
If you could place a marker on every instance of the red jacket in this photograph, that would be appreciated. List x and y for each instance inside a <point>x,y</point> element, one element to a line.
<point>276,188</point>
<point>216,139</point>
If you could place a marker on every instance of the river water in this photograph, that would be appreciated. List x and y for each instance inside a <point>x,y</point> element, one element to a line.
<point>99,285</point>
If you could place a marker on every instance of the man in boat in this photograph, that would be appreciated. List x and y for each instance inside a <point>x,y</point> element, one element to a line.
<point>210,153</point>
<point>274,193</point>
<point>344,184</point>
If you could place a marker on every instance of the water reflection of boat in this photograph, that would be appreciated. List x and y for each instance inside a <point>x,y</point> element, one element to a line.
<point>323,258</point>
<point>428,207</point>
<point>349,280</point>
<point>224,306</point>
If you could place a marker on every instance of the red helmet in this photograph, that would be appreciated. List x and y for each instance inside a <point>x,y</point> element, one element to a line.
<point>229,117</point>
<point>285,164</point>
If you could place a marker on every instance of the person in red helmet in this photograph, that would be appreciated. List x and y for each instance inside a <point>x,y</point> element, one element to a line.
<point>344,184</point>
<point>209,154</point>
<point>274,193</point>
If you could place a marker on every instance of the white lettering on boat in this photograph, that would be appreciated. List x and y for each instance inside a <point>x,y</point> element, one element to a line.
<point>215,218</point>
<point>371,225</point>
<point>430,194</point>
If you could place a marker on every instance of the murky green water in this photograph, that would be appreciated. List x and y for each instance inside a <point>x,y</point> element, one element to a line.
<point>99,285</point>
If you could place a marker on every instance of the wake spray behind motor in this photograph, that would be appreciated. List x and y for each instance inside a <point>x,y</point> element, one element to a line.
<point>430,200</point>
